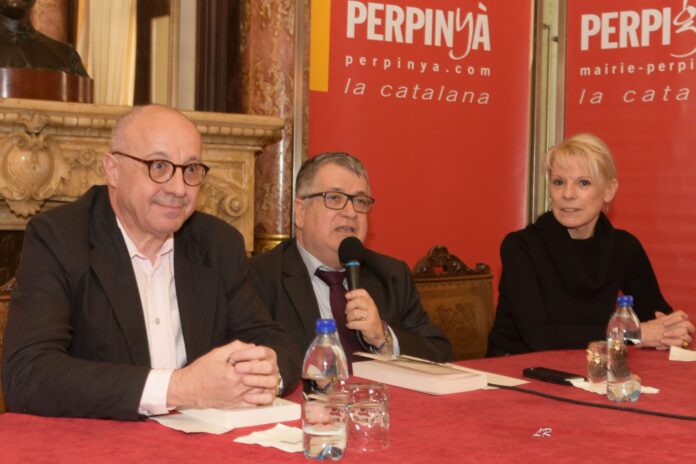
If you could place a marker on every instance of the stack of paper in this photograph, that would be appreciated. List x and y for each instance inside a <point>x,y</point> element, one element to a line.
<point>419,374</point>
<point>280,411</point>
<point>680,354</point>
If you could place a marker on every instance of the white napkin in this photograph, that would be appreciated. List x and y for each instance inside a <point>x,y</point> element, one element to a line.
<point>188,424</point>
<point>281,436</point>
<point>601,388</point>
<point>680,354</point>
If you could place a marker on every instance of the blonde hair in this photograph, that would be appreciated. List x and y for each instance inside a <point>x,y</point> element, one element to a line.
<point>582,147</point>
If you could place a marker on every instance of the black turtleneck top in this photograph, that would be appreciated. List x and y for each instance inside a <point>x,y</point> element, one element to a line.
<point>559,293</point>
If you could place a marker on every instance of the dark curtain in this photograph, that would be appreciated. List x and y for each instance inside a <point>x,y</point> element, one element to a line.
<point>218,56</point>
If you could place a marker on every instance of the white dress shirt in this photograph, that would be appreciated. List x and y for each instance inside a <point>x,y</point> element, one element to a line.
<point>162,322</point>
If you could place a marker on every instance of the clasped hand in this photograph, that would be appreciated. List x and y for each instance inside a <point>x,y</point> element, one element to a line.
<point>667,330</point>
<point>234,375</point>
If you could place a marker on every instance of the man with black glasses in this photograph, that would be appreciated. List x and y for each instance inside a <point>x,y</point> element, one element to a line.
<point>129,303</point>
<point>303,279</point>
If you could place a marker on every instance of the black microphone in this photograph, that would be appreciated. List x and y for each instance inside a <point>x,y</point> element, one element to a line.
<point>351,252</point>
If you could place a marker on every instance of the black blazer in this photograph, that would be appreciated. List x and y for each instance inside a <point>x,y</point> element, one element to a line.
<point>283,282</point>
<point>76,343</point>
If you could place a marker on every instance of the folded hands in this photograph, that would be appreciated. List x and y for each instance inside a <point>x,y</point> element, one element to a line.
<point>667,330</point>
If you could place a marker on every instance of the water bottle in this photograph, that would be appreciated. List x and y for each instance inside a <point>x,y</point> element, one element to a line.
<point>325,409</point>
<point>623,327</point>
<point>625,319</point>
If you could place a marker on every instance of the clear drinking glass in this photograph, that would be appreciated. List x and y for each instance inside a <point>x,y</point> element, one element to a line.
<point>368,427</point>
<point>597,365</point>
<point>324,420</point>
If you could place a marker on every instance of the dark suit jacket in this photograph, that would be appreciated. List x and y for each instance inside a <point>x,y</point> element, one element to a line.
<point>283,282</point>
<point>76,343</point>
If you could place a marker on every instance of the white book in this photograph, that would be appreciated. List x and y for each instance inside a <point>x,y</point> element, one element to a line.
<point>280,411</point>
<point>419,374</point>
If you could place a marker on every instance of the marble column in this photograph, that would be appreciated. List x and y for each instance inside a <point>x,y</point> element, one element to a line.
<point>268,88</point>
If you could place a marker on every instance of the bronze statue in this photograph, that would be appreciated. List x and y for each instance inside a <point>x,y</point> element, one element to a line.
<point>22,46</point>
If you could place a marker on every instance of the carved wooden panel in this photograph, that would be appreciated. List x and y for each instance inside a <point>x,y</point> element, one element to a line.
<point>458,299</point>
<point>463,308</point>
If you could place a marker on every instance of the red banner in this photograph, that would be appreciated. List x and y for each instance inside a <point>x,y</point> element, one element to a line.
<point>630,79</point>
<point>433,97</point>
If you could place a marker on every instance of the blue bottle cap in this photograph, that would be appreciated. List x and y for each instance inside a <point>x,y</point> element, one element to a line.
<point>325,326</point>
<point>625,300</point>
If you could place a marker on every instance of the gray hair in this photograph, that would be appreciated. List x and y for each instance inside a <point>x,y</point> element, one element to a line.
<point>586,147</point>
<point>309,169</point>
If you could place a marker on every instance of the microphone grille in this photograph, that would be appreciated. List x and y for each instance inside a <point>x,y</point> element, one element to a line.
<point>351,249</point>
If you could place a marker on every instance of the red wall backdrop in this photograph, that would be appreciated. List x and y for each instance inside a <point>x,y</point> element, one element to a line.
<point>443,172</point>
<point>639,97</point>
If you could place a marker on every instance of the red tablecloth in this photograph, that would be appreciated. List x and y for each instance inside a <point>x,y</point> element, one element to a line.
<point>485,426</point>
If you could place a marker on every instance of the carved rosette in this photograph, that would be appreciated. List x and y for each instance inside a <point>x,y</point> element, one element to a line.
<point>86,169</point>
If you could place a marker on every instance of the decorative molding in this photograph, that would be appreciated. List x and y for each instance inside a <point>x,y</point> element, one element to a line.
<point>50,153</point>
<point>440,263</point>
<point>32,168</point>
<point>267,242</point>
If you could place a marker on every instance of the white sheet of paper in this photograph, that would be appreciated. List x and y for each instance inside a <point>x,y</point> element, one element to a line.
<point>281,436</point>
<point>601,388</point>
<point>680,354</point>
<point>188,424</point>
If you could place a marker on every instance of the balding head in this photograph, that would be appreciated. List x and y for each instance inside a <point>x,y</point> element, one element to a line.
<point>150,211</point>
<point>139,118</point>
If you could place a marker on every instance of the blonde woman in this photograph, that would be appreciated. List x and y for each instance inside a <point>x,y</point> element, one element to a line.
<point>562,274</point>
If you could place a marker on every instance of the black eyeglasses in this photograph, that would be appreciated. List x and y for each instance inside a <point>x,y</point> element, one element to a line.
<point>161,171</point>
<point>339,200</point>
